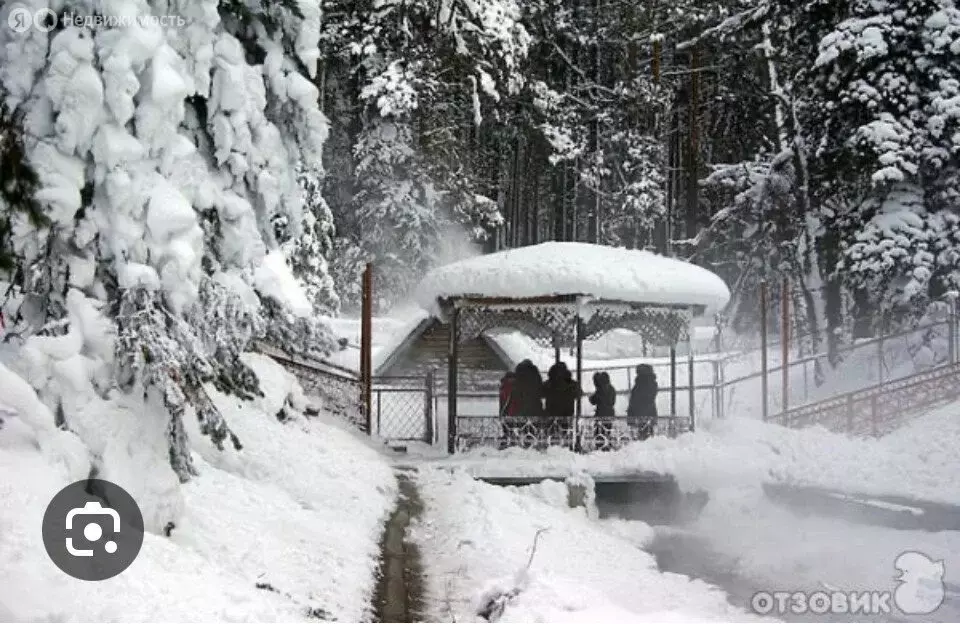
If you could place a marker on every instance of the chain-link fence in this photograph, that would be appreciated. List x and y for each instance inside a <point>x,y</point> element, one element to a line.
<point>338,389</point>
<point>402,408</point>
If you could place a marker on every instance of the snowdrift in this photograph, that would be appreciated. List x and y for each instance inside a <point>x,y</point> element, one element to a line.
<point>915,461</point>
<point>476,537</point>
<point>286,529</point>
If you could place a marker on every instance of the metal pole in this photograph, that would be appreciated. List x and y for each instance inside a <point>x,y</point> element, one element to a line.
<point>429,432</point>
<point>576,421</point>
<point>785,341</point>
<point>452,353</point>
<point>763,346</point>
<point>366,341</point>
<point>717,403</point>
<point>952,330</point>
<point>690,388</point>
<point>673,380</point>
<point>880,348</point>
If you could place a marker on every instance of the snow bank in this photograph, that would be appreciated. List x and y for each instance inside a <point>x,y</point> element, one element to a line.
<point>772,547</point>
<point>556,268</point>
<point>916,461</point>
<point>474,537</point>
<point>262,534</point>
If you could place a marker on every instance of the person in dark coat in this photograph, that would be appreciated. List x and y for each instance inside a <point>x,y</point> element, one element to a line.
<point>527,399</point>
<point>642,409</point>
<point>528,390</point>
<point>561,393</point>
<point>604,397</point>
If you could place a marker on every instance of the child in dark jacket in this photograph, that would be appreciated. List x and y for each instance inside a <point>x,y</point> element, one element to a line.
<point>642,409</point>
<point>604,397</point>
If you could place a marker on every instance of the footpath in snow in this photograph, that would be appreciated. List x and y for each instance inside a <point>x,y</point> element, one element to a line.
<point>476,540</point>
<point>286,529</point>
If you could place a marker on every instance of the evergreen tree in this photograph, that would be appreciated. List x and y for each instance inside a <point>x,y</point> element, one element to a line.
<point>164,157</point>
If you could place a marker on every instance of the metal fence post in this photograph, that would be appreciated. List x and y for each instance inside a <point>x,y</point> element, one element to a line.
<point>691,391</point>
<point>763,346</point>
<point>873,415</point>
<point>850,413</point>
<point>430,430</point>
<point>717,406</point>
<point>952,330</point>
<point>880,358</point>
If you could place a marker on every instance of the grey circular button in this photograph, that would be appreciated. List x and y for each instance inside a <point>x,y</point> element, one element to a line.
<point>93,529</point>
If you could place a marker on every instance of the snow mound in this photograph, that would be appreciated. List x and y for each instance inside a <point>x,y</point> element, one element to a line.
<point>567,268</point>
<point>745,453</point>
<point>476,541</point>
<point>287,529</point>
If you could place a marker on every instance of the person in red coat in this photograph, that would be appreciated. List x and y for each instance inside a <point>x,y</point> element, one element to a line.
<point>508,402</point>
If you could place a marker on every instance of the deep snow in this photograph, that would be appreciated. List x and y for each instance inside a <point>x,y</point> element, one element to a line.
<point>476,537</point>
<point>299,510</point>
<point>919,460</point>
<point>568,268</point>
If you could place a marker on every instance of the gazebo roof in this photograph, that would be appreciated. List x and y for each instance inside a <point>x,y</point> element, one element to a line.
<point>581,269</point>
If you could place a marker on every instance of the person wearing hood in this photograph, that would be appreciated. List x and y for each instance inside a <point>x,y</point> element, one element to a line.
<point>642,409</point>
<point>561,393</point>
<point>604,397</point>
<point>528,390</point>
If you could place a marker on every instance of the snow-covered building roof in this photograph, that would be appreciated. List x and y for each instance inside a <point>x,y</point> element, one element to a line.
<point>568,268</point>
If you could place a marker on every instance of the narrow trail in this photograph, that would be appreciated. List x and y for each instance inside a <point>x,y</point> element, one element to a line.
<point>399,593</point>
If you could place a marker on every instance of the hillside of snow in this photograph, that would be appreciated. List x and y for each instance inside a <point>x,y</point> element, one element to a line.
<point>286,529</point>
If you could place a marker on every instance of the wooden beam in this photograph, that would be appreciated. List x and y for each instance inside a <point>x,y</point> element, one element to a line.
<point>452,382</point>
<point>763,347</point>
<point>366,342</point>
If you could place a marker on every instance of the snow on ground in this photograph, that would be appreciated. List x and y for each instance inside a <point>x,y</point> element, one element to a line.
<point>915,461</point>
<point>299,510</point>
<point>569,268</point>
<point>771,548</point>
<point>475,538</point>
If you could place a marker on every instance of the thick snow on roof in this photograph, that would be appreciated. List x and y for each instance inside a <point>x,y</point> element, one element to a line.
<point>557,268</point>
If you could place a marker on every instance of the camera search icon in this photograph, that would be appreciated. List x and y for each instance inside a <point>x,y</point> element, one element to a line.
<point>93,529</point>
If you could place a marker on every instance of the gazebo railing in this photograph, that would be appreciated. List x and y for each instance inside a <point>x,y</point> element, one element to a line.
<point>582,434</point>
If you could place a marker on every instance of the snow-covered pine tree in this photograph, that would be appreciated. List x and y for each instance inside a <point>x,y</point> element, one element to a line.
<point>164,154</point>
<point>308,252</point>
<point>18,185</point>
<point>884,75</point>
<point>412,85</point>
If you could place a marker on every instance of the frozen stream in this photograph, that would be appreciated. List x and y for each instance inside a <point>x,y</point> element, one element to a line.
<point>748,545</point>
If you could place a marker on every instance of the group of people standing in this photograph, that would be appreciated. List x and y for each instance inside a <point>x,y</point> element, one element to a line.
<point>524,394</point>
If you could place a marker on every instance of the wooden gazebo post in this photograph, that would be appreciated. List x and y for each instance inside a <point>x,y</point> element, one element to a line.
<point>578,330</point>
<point>691,390</point>
<point>452,356</point>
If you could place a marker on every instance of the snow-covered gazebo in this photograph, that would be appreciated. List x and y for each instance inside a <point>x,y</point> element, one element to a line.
<point>560,293</point>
